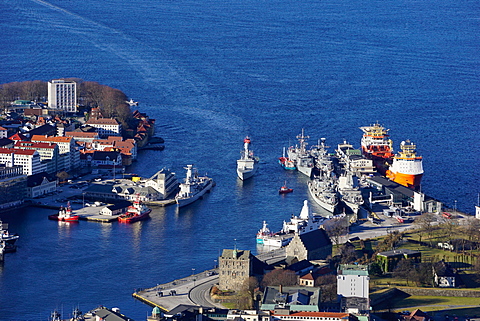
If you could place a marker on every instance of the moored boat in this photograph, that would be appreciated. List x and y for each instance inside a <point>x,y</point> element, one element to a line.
<point>193,187</point>
<point>247,165</point>
<point>65,214</point>
<point>350,193</point>
<point>324,193</point>
<point>286,163</point>
<point>5,236</point>
<point>407,168</point>
<point>6,239</point>
<point>377,146</point>
<point>298,154</point>
<point>304,223</point>
<point>135,212</point>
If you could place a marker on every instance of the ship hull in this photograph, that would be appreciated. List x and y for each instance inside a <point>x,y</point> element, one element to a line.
<point>184,201</point>
<point>330,207</point>
<point>135,218</point>
<point>306,170</point>
<point>286,164</point>
<point>246,169</point>
<point>274,240</point>
<point>408,180</point>
<point>56,217</point>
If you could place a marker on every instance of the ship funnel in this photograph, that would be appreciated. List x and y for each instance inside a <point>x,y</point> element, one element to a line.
<point>305,210</point>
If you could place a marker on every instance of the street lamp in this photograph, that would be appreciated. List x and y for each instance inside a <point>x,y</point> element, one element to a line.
<point>83,199</point>
<point>455,206</point>
<point>214,264</point>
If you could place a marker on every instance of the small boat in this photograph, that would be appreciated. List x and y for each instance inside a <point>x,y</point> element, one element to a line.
<point>65,214</point>
<point>7,240</point>
<point>286,163</point>
<point>284,189</point>
<point>135,212</point>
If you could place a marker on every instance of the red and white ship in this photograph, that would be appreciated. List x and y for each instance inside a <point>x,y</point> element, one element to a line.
<point>377,146</point>
<point>407,168</point>
<point>65,214</point>
<point>135,212</point>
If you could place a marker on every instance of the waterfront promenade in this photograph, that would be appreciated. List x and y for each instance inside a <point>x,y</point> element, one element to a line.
<point>191,290</point>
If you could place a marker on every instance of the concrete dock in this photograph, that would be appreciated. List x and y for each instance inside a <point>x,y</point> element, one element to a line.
<point>191,290</point>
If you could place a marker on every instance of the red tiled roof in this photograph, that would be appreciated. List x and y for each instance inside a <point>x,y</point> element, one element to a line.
<point>102,121</point>
<point>57,139</point>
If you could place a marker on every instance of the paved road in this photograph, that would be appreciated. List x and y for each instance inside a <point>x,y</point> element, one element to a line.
<point>200,294</point>
<point>192,290</point>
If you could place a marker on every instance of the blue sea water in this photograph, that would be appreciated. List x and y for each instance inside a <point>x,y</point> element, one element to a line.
<point>211,72</point>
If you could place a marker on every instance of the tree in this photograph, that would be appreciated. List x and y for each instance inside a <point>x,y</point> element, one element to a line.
<point>375,269</point>
<point>403,269</point>
<point>328,287</point>
<point>62,176</point>
<point>279,277</point>
<point>335,228</point>
<point>347,253</point>
<point>425,222</point>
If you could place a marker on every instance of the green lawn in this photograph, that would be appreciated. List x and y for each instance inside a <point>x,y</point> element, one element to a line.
<point>460,306</point>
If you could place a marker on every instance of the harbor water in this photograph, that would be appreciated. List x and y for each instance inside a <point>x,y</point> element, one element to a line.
<point>211,72</point>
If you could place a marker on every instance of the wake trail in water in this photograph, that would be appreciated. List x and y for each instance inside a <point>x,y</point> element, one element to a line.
<point>153,66</point>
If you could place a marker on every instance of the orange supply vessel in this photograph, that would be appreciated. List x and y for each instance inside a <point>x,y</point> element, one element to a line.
<point>407,168</point>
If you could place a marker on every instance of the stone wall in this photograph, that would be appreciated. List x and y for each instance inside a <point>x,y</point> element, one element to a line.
<point>441,292</point>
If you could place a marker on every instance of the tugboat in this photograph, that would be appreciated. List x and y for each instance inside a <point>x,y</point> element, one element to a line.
<point>284,189</point>
<point>193,187</point>
<point>64,215</point>
<point>247,165</point>
<point>135,212</point>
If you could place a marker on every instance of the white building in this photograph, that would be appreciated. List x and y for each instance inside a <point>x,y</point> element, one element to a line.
<point>62,95</point>
<point>353,281</point>
<point>41,184</point>
<point>286,315</point>
<point>67,150</point>
<point>164,181</point>
<point>28,159</point>
<point>106,126</point>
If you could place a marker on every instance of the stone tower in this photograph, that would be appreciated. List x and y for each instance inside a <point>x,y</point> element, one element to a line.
<point>235,267</point>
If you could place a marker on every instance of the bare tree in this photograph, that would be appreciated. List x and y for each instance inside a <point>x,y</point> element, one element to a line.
<point>336,228</point>
<point>279,277</point>
<point>328,287</point>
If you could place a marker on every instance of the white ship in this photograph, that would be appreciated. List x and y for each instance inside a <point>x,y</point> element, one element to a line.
<point>247,165</point>
<point>193,187</point>
<point>304,223</point>
<point>350,192</point>
<point>299,155</point>
<point>324,192</point>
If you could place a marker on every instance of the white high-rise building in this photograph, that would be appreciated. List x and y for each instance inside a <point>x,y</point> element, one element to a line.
<point>353,281</point>
<point>62,95</point>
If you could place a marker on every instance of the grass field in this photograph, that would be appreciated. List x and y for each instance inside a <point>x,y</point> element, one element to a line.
<point>436,306</point>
